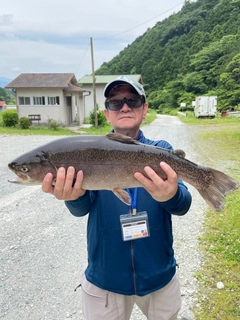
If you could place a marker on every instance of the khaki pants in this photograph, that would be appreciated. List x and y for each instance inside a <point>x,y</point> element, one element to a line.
<point>98,304</point>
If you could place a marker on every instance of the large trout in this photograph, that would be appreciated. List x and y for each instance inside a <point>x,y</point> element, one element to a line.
<point>109,162</point>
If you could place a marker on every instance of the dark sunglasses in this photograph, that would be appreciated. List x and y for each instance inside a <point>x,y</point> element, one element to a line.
<point>116,105</point>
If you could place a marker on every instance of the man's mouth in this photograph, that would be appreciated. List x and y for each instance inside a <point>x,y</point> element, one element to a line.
<point>125,117</point>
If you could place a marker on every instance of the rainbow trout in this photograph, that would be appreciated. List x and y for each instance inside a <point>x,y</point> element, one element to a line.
<point>109,162</point>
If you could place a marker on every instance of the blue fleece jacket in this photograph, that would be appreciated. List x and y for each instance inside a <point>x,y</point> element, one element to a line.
<point>135,267</point>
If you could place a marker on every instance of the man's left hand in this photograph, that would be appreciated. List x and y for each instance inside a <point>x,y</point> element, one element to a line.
<point>161,190</point>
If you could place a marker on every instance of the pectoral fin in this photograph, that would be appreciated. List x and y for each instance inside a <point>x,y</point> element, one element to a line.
<point>122,195</point>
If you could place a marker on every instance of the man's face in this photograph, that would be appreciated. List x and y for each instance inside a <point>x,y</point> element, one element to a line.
<point>127,120</point>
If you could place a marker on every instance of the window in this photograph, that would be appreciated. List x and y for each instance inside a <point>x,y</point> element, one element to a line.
<point>39,100</point>
<point>24,100</point>
<point>53,100</point>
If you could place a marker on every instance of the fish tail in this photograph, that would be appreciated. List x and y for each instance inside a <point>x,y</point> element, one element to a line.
<point>220,186</point>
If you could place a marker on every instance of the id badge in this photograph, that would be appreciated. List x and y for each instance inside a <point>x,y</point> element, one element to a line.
<point>134,226</point>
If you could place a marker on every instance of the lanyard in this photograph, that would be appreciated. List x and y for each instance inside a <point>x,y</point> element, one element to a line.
<point>133,200</point>
<point>135,192</point>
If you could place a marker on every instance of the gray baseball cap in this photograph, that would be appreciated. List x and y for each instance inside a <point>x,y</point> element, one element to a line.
<point>121,81</point>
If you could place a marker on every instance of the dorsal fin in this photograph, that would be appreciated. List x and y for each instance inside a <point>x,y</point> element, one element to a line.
<point>180,153</point>
<point>121,138</point>
<point>125,139</point>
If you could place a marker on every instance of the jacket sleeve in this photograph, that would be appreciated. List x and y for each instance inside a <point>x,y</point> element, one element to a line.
<point>180,203</point>
<point>81,206</point>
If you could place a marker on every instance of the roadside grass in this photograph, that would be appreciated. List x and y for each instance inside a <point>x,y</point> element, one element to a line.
<point>218,120</point>
<point>34,130</point>
<point>59,131</point>
<point>220,241</point>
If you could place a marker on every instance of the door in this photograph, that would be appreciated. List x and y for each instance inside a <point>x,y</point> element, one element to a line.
<point>69,109</point>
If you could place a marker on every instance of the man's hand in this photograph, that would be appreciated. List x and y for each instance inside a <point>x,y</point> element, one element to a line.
<point>64,189</point>
<point>160,190</point>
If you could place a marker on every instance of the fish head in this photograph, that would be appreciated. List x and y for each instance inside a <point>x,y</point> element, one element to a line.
<point>31,172</point>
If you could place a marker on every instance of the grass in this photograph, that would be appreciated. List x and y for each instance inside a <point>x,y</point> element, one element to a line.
<point>220,241</point>
<point>218,120</point>
<point>44,130</point>
<point>36,130</point>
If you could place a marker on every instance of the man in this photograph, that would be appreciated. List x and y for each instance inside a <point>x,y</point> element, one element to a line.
<point>122,272</point>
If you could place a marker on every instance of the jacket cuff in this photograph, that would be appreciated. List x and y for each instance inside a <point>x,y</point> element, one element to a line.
<point>180,203</point>
<point>80,206</point>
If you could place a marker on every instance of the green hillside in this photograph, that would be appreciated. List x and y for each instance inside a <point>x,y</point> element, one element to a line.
<point>191,53</point>
<point>7,96</point>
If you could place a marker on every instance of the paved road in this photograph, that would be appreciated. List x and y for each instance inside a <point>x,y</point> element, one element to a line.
<point>43,247</point>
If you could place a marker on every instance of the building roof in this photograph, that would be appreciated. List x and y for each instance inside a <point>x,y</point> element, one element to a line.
<point>72,88</point>
<point>43,80</point>
<point>106,78</point>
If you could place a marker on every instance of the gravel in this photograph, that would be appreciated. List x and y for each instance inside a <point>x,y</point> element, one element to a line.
<point>43,247</point>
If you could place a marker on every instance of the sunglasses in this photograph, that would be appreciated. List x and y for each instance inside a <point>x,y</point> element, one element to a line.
<point>116,105</point>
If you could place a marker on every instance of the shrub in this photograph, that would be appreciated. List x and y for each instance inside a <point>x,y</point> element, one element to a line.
<point>10,118</point>
<point>100,115</point>
<point>53,124</point>
<point>24,123</point>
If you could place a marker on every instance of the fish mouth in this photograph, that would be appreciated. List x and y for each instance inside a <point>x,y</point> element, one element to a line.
<point>17,180</point>
<point>22,179</point>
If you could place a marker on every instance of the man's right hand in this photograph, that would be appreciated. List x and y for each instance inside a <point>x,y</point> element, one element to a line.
<point>64,188</point>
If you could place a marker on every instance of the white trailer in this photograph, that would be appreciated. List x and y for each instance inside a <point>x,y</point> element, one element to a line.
<point>205,107</point>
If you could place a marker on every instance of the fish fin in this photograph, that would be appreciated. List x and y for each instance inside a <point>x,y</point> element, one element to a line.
<point>220,186</point>
<point>121,138</point>
<point>122,195</point>
<point>180,153</point>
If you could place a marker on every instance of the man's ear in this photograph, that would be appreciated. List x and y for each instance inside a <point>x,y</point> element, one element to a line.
<point>106,113</point>
<point>145,109</point>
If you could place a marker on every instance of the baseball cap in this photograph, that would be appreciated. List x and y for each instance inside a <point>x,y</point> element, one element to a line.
<point>121,81</point>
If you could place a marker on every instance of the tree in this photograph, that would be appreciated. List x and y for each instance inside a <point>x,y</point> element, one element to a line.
<point>231,80</point>
<point>190,53</point>
<point>148,73</point>
<point>194,83</point>
<point>217,33</point>
<point>7,97</point>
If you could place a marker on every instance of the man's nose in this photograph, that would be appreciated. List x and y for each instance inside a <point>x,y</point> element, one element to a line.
<point>125,107</point>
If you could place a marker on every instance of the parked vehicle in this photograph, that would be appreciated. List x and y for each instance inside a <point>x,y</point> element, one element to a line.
<point>205,107</point>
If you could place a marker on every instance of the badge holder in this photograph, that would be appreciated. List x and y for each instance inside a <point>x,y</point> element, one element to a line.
<point>134,225</point>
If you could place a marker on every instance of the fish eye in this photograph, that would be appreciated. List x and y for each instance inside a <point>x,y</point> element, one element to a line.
<point>24,168</point>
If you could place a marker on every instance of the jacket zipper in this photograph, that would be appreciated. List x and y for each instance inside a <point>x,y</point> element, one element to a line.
<point>133,267</point>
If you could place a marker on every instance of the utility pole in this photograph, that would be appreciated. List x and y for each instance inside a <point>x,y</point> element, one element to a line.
<point>94,87</point>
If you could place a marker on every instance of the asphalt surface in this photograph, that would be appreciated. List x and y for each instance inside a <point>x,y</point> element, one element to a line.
<point>43,247</point>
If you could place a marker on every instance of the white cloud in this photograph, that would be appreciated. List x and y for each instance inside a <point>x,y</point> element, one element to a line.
<point>54,36</point>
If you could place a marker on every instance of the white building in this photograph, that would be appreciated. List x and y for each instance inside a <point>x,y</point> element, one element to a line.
<point>50,96</point>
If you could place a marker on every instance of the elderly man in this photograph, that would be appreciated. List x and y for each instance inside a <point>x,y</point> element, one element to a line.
<point>121,272</point>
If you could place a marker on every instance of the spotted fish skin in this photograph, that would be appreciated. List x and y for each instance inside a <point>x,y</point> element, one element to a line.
<point>109,163</point>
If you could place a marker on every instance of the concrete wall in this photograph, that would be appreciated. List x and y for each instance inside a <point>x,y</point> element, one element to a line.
<point>88,100</point>
<point>64,112</point>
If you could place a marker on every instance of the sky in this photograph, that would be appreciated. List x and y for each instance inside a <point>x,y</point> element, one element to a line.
<point>48,36</point>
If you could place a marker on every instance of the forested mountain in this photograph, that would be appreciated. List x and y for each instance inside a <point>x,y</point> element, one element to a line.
<point>7,96</point>
<point>191,53</point>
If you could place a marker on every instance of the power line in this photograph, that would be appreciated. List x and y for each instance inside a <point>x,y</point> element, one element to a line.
<point>82,58</point>
<point>139,25</point>
<point>115,35</point>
